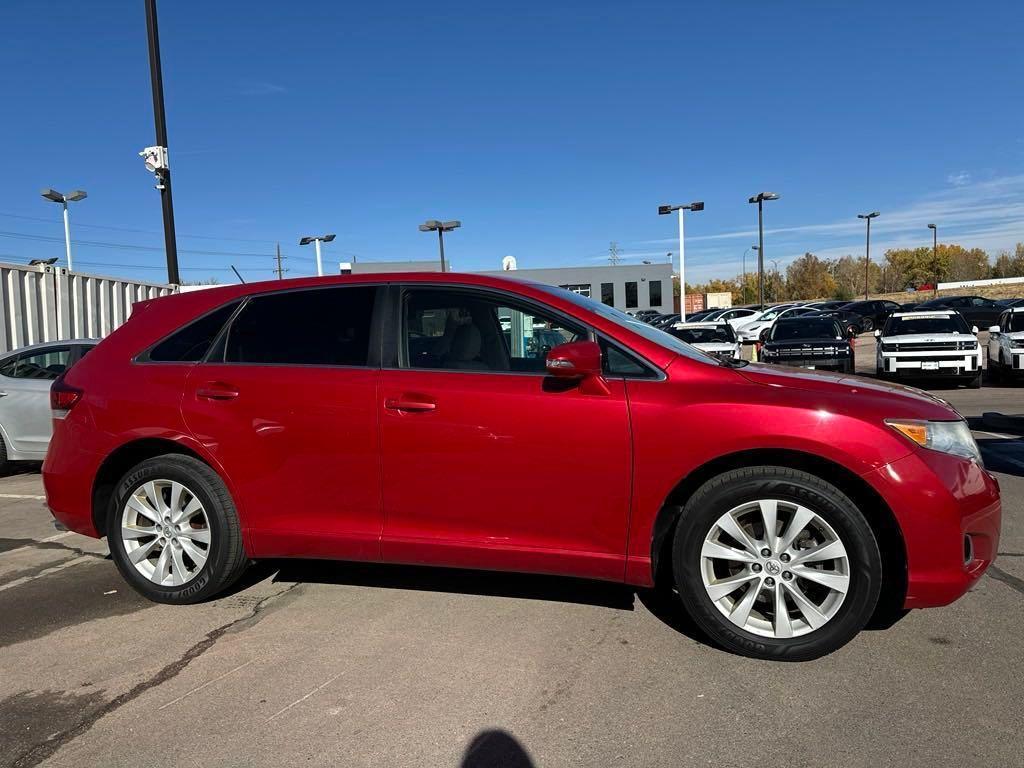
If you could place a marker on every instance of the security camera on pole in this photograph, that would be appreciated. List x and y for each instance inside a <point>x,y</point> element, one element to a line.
<point>662,211</point>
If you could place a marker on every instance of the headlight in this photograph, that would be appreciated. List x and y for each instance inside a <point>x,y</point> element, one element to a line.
<point>890,348</point>
<point>945,436</point>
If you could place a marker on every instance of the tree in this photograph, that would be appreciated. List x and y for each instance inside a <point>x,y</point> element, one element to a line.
<point>1017,261</point>
<point>965,264</point>
<point>911,267</point>
<point>808,278</point>
<point>1003,266</point>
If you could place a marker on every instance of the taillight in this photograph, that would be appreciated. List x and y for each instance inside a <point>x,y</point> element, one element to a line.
<point>63,397</point>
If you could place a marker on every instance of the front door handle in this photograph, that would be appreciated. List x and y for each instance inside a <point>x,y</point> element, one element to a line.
<point>217,390</point>
<point>407,404</point>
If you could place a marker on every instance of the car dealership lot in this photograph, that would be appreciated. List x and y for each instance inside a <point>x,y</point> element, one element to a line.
<point>336,664</point>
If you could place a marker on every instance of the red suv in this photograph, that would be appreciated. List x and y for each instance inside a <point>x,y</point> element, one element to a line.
<point>479,422</point>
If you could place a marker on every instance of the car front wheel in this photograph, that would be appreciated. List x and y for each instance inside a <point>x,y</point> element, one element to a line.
<point>173,531</point>
<point>776,563</point>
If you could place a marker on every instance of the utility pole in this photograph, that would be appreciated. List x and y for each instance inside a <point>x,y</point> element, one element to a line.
<point>163,173</point>
<point>280,270</point>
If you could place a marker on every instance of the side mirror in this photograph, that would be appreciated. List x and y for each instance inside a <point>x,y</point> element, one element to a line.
<point>878,333</point>
<point>575,360</point>
<point>974,329</point>
<point>993,329</point>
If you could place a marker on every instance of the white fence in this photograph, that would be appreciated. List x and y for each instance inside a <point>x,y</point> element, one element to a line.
<point>977,283</point>
<point>47,303</point>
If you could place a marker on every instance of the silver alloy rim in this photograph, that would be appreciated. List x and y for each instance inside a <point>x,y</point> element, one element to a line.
<point>166,532</point>
<point>775,568</point>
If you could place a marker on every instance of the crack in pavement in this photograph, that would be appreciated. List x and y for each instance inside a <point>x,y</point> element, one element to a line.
<point>1007,578</point>
<point>44,750</point>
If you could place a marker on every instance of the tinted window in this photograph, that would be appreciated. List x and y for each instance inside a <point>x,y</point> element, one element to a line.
<point>715,334</point>
<point>809,328</point>
<point>324,326</point>
<point>654,288</point>
<point>471,331</point>
<point>1015,322</point>
<point>192,342</point>
<point>631,295</point>
<point>618,363</point>
<point>608,294</point>
<point>902,326</point>
<point>46,365</point>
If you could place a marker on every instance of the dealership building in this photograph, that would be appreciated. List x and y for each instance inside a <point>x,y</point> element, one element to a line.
<point>629,287</point>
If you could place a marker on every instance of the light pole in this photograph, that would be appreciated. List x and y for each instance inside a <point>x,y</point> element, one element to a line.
<point>662,211</point>
<point>744,292</point>
<point>867,247</point>
<point>433,225</point>
<point>759,198</point>
<point>317,239</point>
<point>156,157</point>
<point>935,258</point>
<point>71,197</point>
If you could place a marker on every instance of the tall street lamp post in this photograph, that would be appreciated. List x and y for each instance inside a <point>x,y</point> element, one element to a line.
<point>662,211</point>
<point>935,258</point>
<point>759,198</point>
<point>867,247</point>
<point>317,239</point>
<point>743,293</point>
<point>72,197</point>
<point>433,225</point>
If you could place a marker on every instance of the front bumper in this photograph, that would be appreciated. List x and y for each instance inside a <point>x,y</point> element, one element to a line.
<point>818,363</point>
<point>949,513</point>
<point>939,364</point>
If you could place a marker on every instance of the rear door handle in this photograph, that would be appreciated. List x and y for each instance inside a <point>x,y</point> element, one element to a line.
<point>216,390</point>
<point>406,404</point>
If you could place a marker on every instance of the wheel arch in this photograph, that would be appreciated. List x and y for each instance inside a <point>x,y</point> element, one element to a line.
<point>123,458</point>
<point>868,500</point>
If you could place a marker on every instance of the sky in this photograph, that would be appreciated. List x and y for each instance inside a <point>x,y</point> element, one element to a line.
<point>550,129</point>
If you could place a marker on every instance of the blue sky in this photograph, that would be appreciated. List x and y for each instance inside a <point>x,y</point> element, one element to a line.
<point>549,128</point>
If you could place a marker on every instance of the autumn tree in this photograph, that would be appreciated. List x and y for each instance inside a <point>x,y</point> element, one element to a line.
<point>808,278</point>
<point>965,264</point>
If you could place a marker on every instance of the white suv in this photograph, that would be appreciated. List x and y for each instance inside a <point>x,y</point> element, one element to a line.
<point>717,338</point>
<point>1006,343</point>
<point>926,344</point>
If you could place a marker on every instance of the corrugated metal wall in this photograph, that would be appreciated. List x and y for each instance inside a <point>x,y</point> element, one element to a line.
<point>46,303</point>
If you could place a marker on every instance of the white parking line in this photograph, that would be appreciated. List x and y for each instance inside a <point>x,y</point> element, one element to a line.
<point>302,699</point>
<point>47,572</point>
<point>35,496</point>
<point>33,544</point>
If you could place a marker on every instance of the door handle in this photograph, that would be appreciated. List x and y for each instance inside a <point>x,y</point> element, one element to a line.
<point>3,394</point>
<point>404,404</point>
<point>216,390</point>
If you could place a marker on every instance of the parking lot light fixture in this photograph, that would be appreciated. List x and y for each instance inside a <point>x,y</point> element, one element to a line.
<point>867,247</point>
<point>759,198</point>
<point>71,197</point>
<point>433,225</point>
<point>935,259</point>
<point>317,239</point>
<point>662,211</point>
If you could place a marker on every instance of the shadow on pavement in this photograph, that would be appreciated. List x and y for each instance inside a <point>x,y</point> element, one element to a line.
<point>496,749</point>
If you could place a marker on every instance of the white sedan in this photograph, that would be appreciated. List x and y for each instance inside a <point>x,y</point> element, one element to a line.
<point>755,326</point>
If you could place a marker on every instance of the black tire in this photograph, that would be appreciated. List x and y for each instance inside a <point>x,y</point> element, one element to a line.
<point>727,491</point>
<point>975,383</point>
<point>867,325</point>
<point>5,465</point>
<point>226,559</point>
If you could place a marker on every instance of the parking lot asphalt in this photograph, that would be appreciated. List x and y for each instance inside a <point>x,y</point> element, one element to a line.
<point>333,664</point>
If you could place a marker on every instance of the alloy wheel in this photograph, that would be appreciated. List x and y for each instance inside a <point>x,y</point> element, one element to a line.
<point>775,568</point>
<point>165,532</point>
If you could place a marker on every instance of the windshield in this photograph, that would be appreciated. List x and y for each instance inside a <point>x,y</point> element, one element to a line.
<point>638,327</point>
<point>716,334</point>
<point>905,326</point>
<point>805,328</point>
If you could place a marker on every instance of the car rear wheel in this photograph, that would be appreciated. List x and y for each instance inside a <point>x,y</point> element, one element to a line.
<point>776,563</point>
<point>173,531</point>
<point>867,325</point>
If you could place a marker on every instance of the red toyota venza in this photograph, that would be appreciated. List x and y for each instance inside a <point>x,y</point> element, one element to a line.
<point>478,422</point>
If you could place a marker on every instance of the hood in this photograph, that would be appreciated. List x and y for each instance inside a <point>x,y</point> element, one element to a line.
<point>826,341</point>
<point>930,338</point>
<point>1015,335</point>
<point>904,402</point>
<point>716,346</point>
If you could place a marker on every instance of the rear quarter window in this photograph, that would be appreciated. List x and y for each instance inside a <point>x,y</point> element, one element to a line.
<point>191,343</point>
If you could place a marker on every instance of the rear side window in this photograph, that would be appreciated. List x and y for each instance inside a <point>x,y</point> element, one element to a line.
<point>323,326</point>
<point>46,365</point>
<point>191,343</point>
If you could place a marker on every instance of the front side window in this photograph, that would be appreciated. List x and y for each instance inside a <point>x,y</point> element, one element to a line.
<point>1015,322</point>
<point>322,326</point>
<point>608,294</point>
<point>654,290</point>
<point>47,365</point>
<point>471,331</point>
<point>631,300</point>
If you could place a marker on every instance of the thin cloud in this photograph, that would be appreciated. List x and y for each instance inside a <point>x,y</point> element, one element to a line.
<point>262,89</point>
<point>961,179</point>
